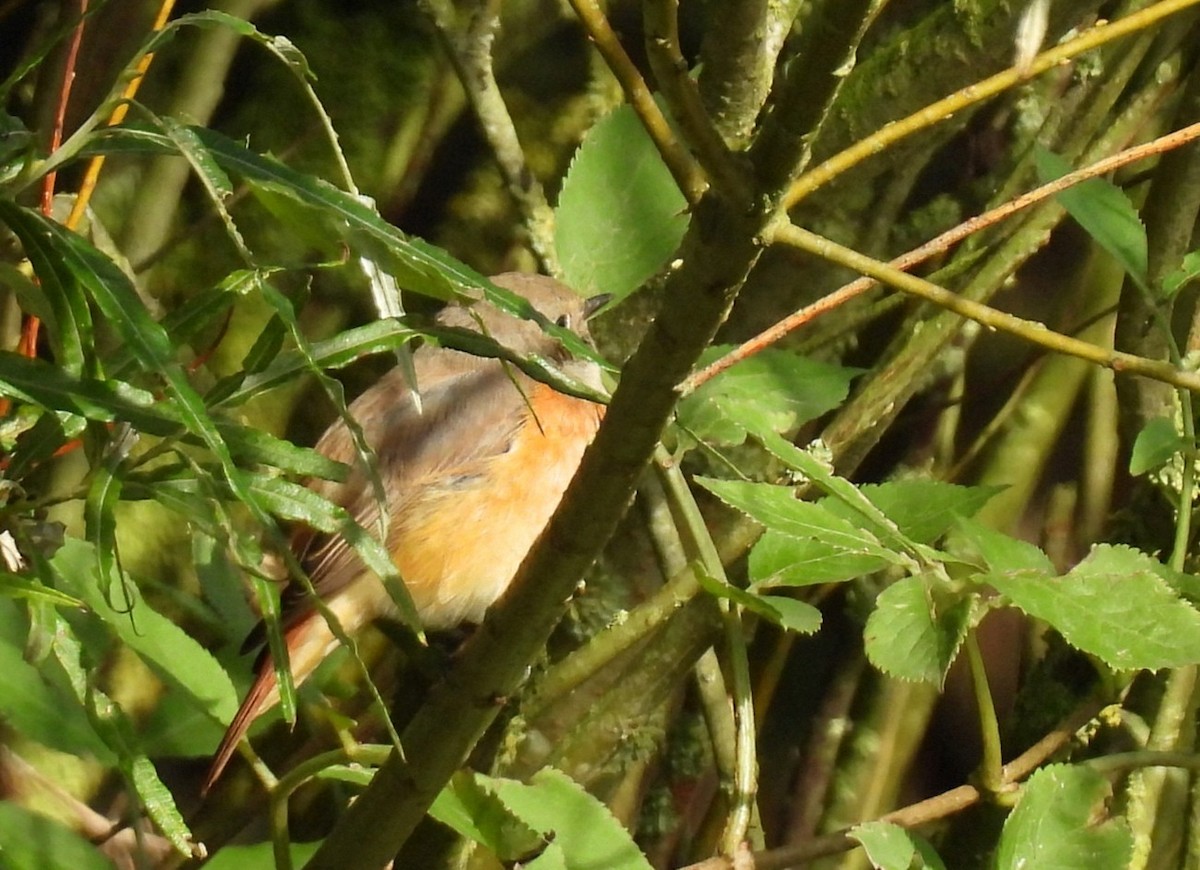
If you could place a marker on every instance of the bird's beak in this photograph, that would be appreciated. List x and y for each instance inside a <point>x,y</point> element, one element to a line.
<point>594,303</point>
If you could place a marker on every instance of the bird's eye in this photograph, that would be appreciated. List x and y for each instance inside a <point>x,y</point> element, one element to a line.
<point>563,320</point>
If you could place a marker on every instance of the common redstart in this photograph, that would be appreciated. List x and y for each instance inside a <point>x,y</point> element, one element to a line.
<point>471,478</point>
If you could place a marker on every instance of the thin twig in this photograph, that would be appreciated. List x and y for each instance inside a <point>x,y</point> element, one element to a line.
<point>973,94</point>
<point>92,174</point>
<point>684,169</point>
<point>683,97</point>
<point>1029,330</point>
<point>470,51</point>
<point>31,325</point>
<point>939,245</point>
<point>938,807</point>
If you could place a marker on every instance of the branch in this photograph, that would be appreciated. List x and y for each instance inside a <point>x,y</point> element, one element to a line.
<point>938,245</point>
<point>936,112</point>
<point>1029,330</point>
<point>470,51</point>
<point>685,170</point>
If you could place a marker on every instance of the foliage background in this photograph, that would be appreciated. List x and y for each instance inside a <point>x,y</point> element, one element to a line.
<point>745,667</point>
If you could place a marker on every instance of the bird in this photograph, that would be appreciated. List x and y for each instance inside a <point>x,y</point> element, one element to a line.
<point>472,471</point>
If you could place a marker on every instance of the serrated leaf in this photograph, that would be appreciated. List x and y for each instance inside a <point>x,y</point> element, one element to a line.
<point>588,834</point>
<point>925,509</point>
<point>1154,446</point>
<point>620,215</point>
<point>778,509</point>
<point>787,613</point>
<point>1116,604</point>
<point>783,560</point>
<point>1105,213</point>
<point>891,847</point>
<point>1054,824</point>
<point>998,551</point>
<point>821,475</point>
<point>915,631</point>
<point>476,812</point>
<point>773,391</point>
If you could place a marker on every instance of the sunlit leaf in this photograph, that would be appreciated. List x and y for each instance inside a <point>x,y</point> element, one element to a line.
<point>620,215</point>
<point>1056,824</point>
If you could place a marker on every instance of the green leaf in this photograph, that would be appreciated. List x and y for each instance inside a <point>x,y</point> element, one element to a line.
<point>18,586</point>
<point>915,631</point>
<point>1158,441</point>
<point>175,656</point>
<point>773,391</point>
<point>69,327</point>
<point>36,707</point>
<point>891,847</point>
<point>1104,212</point>
<point>787,613</point>
<point>620,216</point>
<point>469,807</point>
<point>260,856</point>
<point>1188,270</point>
<point>783,560</point>
<point>820,473</point>
<point>343,349</point>
<point>1116,604</point>
<point>1054,824</point>
<point>29,840</point>
<point>925,509</point>
<point>558,808</point>
<point>998,551</point>
<point>778,509</point>
<point>297,503</point>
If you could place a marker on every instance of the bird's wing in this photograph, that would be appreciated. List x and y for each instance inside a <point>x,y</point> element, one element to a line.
<point>468,416</point>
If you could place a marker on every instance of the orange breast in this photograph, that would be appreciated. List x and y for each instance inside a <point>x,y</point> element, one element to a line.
<point>459,547</point>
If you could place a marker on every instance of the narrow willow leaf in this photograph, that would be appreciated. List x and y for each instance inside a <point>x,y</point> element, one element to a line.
<point>55,389</point>
<point>297,503</point>
<point>101,528</point>
<point>1116,604</point>
<point>18,586</point>
<point>114,726</point>
<point>343,349</point>
<point>70,327</point>
<point>39,707</point>
<point>1055,824</point>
